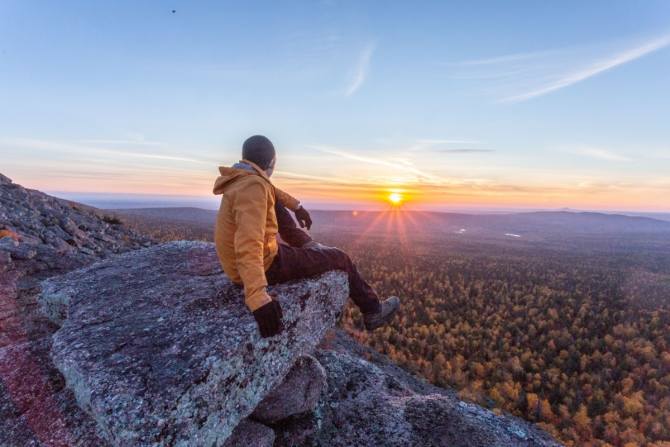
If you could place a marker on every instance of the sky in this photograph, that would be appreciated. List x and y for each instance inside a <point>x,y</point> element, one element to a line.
<point>451,105</point>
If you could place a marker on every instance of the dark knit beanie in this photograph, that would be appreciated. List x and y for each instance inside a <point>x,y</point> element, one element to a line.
<point>259,150</point>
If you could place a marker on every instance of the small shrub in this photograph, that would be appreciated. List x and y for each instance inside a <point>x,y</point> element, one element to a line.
<point>112,220</point>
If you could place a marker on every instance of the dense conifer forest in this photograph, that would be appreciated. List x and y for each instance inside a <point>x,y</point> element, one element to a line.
<point>574,337</point>
<point>564,341</point>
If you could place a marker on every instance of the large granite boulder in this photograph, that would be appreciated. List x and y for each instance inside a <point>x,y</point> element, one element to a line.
<point>376,403</point>
<point>159,348</point>
<point>300,391</point>
<point>366,406</point>
<point>251,434</point>
<point>42,236</point>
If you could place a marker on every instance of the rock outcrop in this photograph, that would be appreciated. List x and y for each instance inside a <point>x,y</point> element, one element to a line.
<point>365,406</point>
<point>373,402</point>
<point>251,434</point>
<point>160,349</point>
<point>300,391</point>
<point>42,236</point>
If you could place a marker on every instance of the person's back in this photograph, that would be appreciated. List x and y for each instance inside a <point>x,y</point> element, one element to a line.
<point>246,244</point>
<point>245,232</point>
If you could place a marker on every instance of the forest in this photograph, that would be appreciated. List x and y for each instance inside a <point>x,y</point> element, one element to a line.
<point>560,341</point>
<point>574,338</point>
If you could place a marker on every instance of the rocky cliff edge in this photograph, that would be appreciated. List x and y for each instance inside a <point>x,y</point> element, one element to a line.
<point>160,350</point>
<point>155,347</point>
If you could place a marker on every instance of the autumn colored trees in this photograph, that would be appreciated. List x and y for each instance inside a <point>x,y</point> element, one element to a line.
<point>554,338</point>
<point>577,341</point>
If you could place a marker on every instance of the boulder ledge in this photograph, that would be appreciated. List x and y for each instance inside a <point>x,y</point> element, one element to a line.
<point>159,348</point>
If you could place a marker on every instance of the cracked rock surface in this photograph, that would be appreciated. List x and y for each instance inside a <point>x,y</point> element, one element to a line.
<point>42,236</point>
<point>300,391</point>
<point>159,348</point>
<point>365,406</point>
<point>251,434</point>
<point>376,403</point>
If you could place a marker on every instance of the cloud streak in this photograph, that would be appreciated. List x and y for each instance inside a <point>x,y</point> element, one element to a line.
<point>123,142</point>
<point>595,68</point>
<point>462,151</point>
<point>521,77</point>
<point>358,74</point>
<point>90,146</point>
<point>600,154</point>
<point>399,166</point>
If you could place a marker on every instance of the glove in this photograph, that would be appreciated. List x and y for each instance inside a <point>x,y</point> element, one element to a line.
<point>268,317</point>
<point>303,218</point>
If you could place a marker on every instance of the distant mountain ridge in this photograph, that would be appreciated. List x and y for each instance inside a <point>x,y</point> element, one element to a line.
<point>189,214</point>
<point>533,222</point>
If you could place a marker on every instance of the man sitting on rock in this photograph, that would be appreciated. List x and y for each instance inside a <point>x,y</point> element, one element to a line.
<point>252,212</point>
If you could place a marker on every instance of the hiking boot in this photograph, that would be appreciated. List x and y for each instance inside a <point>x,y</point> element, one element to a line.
<point>389,307</point>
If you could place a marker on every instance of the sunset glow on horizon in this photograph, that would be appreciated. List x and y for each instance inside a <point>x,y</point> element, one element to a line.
<point>542,107</point>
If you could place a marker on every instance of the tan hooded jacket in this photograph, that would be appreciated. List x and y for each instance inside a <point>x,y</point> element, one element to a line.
<point>246,227</point>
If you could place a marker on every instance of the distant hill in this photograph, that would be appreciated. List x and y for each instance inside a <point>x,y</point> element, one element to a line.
<point>535,222</point>
<point>189,214</point>
<point>516,224</point>
<point>572,231</point>
<point>577,222</point>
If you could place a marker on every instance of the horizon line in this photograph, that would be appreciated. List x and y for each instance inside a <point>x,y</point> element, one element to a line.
<point>114,199</point>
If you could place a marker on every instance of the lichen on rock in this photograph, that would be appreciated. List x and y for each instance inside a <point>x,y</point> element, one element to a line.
<point>300,391</point>
<point>159,348</point>
<point>251,434</point>
<point>34,409</point>
<point>371,405</point>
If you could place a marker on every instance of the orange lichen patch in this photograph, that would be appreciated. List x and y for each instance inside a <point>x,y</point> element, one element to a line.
<point>9,233</point>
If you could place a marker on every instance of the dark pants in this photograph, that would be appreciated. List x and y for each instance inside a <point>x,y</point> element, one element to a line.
<point>297,263</point>
<point>288,230</point>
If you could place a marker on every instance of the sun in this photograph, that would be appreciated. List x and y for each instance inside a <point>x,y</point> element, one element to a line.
<point>395,198</point>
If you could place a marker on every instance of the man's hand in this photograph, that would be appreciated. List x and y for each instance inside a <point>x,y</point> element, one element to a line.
<point>269,318</point>
<point>303,217</point>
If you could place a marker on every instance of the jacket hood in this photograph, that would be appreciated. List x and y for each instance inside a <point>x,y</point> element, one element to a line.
<point>229,175</point>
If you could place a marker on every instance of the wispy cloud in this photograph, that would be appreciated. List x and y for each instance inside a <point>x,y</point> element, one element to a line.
<point>462,151</point>
<point>401,166</point>
<point>598,153</point>
<point>596,67</point>
<point>293,175</point>
<point>508,58</point>
<point>520,77</point>
<point>422,144</point>
<point>123,142</point>
<point>92,146</point>
<point>360,71</point>
<point>449,141</point>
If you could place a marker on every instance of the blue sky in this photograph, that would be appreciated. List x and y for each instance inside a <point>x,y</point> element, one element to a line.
<point>451,104</point>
